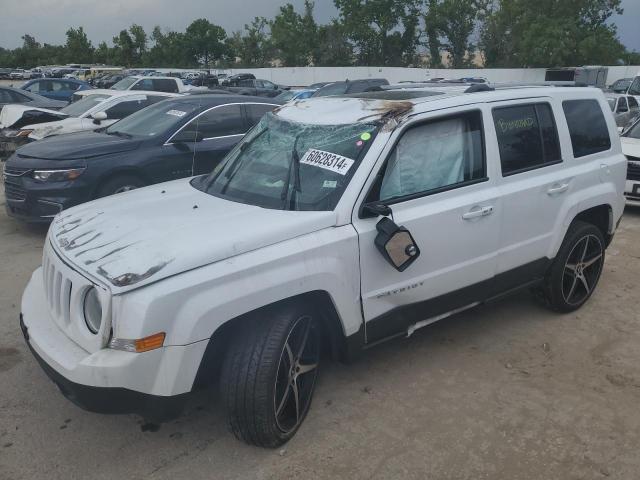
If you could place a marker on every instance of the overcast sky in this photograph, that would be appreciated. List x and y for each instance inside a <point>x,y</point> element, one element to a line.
<point>48,20</point>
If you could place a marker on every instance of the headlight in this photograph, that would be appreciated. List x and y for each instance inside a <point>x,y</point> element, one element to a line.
<point>92,310</point>
<point>57,175</point>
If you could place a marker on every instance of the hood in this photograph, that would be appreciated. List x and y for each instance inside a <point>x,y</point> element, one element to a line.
<point>16,116</point>
<point>41,130</point>
<point>75,146</point>
<point>139,237</point>
<point>630,146</point>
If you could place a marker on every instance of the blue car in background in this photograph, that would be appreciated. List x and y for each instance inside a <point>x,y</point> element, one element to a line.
<point>289,95</point>
<point>55,88</point>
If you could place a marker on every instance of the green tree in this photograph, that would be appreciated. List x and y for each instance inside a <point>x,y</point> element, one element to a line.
<point>103,54</point>
<point>205,42</point>
<point>546,33</point>
<point>333,48</point>
<point>253,47</point>
<point>457,21</point>
<point>384,32</point>
<point>78,48</point>
<point>139,43</point>
<point>294,35</point>
<point>123,49</point>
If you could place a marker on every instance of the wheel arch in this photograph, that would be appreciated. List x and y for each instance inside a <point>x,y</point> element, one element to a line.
<point>118,172</point>
<point>318,300</point>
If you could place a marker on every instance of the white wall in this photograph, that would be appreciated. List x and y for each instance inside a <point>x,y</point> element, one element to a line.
<point>301,76</point>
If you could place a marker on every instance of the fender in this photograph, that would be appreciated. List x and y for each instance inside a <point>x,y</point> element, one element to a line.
<point>206,298</point>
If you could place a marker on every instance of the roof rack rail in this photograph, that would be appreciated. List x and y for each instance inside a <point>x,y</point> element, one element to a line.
<point>479,87</point>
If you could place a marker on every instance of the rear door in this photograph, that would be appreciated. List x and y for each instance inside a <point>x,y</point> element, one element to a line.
<point>533,182</point>
<point>439,186</point>
<point>203,142</point>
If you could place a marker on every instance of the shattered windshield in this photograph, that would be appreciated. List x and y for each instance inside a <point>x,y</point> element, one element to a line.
<point>291,166</point>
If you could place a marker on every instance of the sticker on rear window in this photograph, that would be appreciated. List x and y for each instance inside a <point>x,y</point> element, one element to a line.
<point>176,113</point>
<point>327,160</point>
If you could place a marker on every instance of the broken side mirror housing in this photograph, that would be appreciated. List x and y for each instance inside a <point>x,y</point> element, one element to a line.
<point>396,244</point>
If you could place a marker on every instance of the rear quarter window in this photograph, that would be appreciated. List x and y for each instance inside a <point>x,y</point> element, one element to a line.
<point>587,127</point>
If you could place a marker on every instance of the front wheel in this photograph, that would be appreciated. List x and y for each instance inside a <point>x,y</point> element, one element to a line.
<point>269,375</point>
<point>576,269</point>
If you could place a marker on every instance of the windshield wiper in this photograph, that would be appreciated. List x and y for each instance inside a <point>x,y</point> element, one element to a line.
<point>294,170</point>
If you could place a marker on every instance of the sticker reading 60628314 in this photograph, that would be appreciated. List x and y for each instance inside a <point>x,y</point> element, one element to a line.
<point>327,160</point>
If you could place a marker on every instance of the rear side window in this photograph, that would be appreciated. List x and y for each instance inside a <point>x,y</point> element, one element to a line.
<point>217,122</point>
<point>587,127</point>
<point>255,111</point>
<point>632,102</point>
<point>527,137</point>
<point>126,108</point>
<point>165,85</point>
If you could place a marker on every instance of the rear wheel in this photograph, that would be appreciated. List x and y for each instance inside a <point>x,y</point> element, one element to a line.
<point>576,269</point>
<point>269,376</point>
<point>119,184</point>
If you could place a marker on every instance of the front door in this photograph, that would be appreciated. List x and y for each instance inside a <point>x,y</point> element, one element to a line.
<point>438,185</point>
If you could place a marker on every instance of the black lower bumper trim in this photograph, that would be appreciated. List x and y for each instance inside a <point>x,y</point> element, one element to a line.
<point>111,400</point>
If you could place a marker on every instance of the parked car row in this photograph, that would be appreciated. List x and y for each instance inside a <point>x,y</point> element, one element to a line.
<point>178,137</point>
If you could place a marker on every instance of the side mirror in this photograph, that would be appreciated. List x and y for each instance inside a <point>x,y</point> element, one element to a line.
<point>396,244</point>
<point>98,117</point>
<point>375,209</point>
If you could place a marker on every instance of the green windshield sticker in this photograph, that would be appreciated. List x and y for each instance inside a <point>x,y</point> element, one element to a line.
<point>365,136</point>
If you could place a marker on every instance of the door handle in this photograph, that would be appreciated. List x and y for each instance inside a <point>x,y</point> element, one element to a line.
<point>558,188</point>
<point>478,211</point>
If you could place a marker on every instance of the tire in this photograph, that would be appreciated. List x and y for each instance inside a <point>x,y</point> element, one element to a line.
<point>575,271</point>
<point>119,184</point>
<point>263,374</point>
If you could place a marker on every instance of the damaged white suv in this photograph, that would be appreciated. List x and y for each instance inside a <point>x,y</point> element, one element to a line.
<point>336,223</point>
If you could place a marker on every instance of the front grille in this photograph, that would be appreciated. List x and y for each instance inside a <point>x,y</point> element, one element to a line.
<point>633,169</point>
<point>57,290</point>
<point>14,192</point>
<point>16,171</point>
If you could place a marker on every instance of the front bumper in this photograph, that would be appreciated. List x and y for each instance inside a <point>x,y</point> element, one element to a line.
<point>632,192</point>
<point>154,384</point>
<point>36,202</point>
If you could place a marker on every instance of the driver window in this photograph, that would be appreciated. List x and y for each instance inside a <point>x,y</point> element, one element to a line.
<point>434,156</point>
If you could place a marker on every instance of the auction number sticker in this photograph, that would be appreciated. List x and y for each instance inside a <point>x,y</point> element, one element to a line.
<point>176,113</point>
<point>327,160</point>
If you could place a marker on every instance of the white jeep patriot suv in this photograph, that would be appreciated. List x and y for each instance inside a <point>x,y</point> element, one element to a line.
<point>336,222</point>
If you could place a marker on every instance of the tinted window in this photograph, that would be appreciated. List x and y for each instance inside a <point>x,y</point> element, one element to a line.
<point>218,122</point>
<point>124,109</point>
<point>256,111</point>
<point>632,102</point>
<point>246,83</point>
<point>435,155</point>
<point>165,85</point>
<point>634,89</point>
<point>622,105</point>
<point>527,137</point>
<point>587,127</point>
